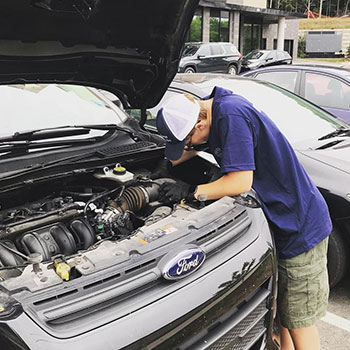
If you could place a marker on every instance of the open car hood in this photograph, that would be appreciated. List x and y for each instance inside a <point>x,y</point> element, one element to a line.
<point>131,48</point>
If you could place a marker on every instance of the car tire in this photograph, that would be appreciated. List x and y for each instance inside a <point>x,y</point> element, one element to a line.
<point>337,257</point>
<point>232,70</point>
<point>189,70</point>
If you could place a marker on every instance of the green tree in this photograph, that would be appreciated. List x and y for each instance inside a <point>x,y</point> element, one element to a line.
<point>196,29</point>
<point>348,52</point>
<point>301,46</point>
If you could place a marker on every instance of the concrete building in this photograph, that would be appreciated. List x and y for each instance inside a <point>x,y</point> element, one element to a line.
<point>249,24</point>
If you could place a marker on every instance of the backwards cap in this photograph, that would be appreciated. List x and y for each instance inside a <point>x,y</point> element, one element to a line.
<point>175,120</point>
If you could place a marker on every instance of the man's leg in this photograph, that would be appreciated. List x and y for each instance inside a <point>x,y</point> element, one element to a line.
<point>286,342</point>
<point>305,338</point>
<point>302,297</point>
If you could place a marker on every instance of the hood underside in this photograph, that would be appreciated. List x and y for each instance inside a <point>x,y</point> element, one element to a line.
<point>130,48</point>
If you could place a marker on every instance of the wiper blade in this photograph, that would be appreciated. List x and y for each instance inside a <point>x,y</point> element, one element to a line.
<point>62,131</point>
<point>45,134</point>
<point>339,132</point>
<point>19,146</point>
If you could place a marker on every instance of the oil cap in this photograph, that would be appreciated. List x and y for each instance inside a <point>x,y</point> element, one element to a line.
<point>119,170</point>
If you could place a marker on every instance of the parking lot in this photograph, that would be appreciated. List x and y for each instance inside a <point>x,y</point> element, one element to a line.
<point>335,327</point>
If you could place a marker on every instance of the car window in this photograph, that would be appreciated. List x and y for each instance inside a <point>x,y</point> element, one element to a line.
<point>281,55</point>
<point>271,55</point>
<point>254,55</point>
<point>216,50</point>
<point>285,79</point>
<point>39,106</point>
<point>327,91</point>
<point>151,112</point>
<point>231,49</point>
<point>297,119</point>
<point>189,50</point>
<point>204,51</point>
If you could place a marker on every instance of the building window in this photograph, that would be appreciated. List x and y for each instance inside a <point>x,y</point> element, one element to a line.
<point>219,25</point>
<point>195,31</point>
<point>251,37</point>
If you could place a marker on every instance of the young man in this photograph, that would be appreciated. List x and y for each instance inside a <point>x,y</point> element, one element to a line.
<point>252,152</point>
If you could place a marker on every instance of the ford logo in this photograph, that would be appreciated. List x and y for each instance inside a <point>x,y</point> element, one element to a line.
<point>183,264</point>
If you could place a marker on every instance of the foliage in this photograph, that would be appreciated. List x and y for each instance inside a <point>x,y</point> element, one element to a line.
<point>301,46</point>
<point>214,29</point>
<point>196,29</point>
<point>324,23</point>
<point>348,52</point>
<point>331,8</point>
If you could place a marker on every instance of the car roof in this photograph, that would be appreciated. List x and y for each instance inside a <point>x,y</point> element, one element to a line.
<point>341,72</point>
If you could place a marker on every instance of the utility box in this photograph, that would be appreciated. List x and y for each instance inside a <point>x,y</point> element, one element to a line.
<point>323,43</point>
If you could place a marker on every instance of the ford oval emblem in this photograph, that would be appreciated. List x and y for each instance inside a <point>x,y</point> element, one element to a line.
<point>183,263</point>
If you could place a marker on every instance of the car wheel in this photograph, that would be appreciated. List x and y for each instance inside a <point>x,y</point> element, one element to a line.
<point>232,70</point>
<point>189,70</point>
<point>337,257</point>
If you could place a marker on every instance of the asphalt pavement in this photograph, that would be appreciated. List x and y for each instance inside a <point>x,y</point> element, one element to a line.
<point>334,328</point>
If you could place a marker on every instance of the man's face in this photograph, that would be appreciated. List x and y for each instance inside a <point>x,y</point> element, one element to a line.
<point>198,135</point>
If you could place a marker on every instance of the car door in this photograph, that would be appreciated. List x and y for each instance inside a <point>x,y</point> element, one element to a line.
<point>271,59</point>
<point>329,92</point>
<point>219,58</point>
<point>205,61</point>
<point>288,79</point>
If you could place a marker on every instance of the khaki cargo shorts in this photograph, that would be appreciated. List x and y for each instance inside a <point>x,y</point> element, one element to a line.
<point>303,287</point>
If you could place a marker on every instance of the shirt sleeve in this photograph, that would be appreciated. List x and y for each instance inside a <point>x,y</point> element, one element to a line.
<point>237,143</point>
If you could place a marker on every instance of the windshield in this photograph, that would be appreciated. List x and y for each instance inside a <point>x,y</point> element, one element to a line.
<point>189,50</point>
<point>298,119</point>
<point>254,55</point>
<point>39,106</point>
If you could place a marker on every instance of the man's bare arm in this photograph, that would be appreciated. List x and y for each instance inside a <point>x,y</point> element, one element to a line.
<point>185,156</point>
<point>230,184</point>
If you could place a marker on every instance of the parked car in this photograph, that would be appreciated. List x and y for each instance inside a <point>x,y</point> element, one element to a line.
<point>321,142</point>
<point>89,257</point>
<point>210,57</point>
<point>328,87</point>
<point>263,58</point>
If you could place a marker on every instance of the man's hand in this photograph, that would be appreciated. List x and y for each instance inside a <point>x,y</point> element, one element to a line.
<point>162,169</point>
<point>175,192</point>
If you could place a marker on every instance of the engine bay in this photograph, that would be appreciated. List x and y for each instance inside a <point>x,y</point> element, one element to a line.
<point>55,222</point>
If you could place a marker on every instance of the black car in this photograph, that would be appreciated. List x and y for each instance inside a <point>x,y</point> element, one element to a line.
<point>210,57</point>
<point>321,142</point>
<point>263,58</point>
<point>326,86</point>
<point>89,257</point>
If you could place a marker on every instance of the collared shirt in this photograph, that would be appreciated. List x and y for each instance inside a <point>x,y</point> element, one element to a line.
<point>244,138</point>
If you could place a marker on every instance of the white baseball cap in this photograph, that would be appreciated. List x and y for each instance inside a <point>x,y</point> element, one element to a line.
<point>175,120</point>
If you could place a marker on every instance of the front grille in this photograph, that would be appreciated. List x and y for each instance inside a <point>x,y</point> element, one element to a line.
<point>246,333</point>
<point>243,329</point>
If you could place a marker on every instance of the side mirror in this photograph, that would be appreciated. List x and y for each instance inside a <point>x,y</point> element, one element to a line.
<point>269,59</point>
<point>201,56</point>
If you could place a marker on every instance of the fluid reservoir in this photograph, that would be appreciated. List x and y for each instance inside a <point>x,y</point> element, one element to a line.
<point>117,173</point>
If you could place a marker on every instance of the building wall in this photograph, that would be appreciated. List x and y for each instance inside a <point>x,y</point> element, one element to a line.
<point>290,33</point>
<point>251,3</point>
<point>345,36</point>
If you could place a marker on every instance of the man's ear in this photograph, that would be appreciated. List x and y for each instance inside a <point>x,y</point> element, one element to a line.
<point>201,124</point>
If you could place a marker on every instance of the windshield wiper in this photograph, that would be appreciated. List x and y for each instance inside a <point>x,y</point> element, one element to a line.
<point>62,131</point>
<point>20,146</point>
<point>339,132</point>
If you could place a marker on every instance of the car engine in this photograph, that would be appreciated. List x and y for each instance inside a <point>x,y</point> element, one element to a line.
<point>75,218</point>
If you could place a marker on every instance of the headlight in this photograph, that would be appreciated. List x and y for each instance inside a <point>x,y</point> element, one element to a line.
<point>253,64</point>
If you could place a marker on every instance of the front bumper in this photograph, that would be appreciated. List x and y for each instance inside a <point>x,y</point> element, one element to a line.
<point>227,301</point>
